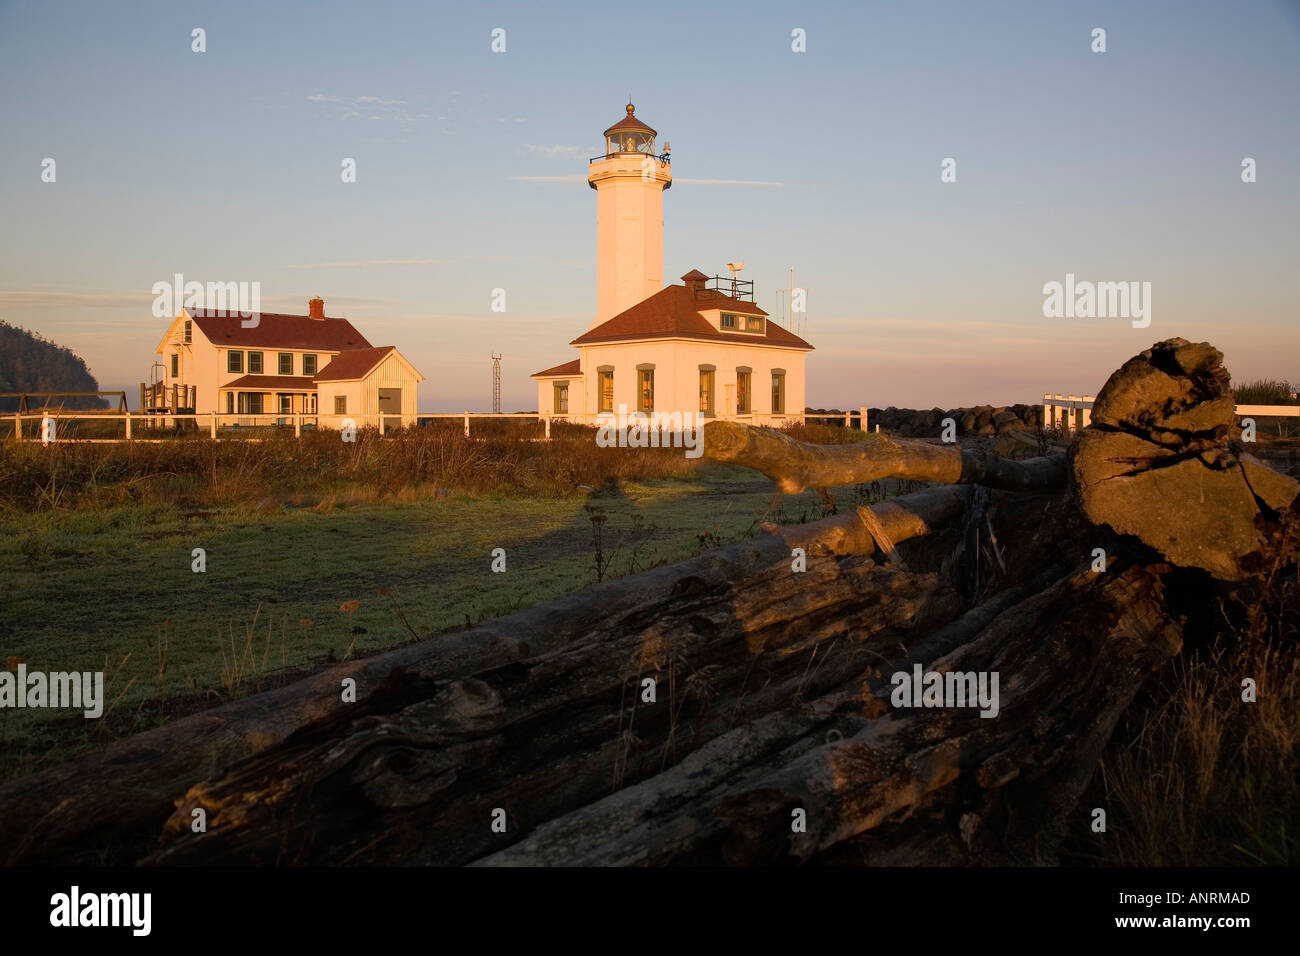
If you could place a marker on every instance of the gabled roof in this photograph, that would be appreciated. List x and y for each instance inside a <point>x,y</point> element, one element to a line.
<point>276,330</point>
<point>568,368</point>
<point>357,364</point>
<point>674,312</point>
<point>348,366</point>
<point>273,383</point>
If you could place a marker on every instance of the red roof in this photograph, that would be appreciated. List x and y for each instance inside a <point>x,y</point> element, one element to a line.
<point>630,122</point>
<point>568,368</point>
<point>275,330</point>
<point>281,383</point>
<point>355,364</point>
<point>673,312</point>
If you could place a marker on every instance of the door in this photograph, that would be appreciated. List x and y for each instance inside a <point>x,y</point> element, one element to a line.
<point>390,407</point>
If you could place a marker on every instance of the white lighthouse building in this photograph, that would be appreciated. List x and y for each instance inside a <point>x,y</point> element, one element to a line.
<point>630,182</point>
<point>700,346</point>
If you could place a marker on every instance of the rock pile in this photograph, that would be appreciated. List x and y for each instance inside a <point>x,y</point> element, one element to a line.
<point>980,420</point>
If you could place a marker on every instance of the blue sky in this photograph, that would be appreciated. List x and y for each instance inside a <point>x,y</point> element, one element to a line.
<point>1123,165</point>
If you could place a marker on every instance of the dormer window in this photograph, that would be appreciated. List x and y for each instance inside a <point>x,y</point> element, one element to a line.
<point>741,323</point>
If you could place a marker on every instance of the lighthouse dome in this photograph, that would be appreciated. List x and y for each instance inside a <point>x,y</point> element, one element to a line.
<point>630,135</point>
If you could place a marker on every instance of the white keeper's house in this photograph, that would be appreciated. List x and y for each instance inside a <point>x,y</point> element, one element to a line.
<point>701,346</point>
<point>284,365</point>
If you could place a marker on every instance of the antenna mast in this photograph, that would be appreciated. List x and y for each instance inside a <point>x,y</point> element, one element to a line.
<point>496,383</point>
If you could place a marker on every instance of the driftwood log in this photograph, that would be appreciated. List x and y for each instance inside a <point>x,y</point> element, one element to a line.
<point>123,793</point>
<point>796,465</point>
<point>536,739</point>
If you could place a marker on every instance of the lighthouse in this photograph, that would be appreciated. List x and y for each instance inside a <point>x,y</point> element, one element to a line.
<point>629,180</point>
<point>700,348</point>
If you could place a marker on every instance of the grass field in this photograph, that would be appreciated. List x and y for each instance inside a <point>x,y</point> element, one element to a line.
<point>114,589</point>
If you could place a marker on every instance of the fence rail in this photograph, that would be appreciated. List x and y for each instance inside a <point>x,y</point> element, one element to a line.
<point>1075,411</point>
<point>1065,411</point>
<point>1269,411</point>
<point>146,426</point>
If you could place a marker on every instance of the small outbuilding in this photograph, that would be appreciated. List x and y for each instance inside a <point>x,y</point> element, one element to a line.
<point>365,383</point>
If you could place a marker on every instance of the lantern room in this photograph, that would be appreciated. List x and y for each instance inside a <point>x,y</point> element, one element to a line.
<point>629,135</point>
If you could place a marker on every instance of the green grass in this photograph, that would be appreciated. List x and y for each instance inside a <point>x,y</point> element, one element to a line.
<point>1265,392</point>
<point>113,589</point>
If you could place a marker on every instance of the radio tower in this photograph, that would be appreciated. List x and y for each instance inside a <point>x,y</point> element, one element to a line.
<point>496,384</point>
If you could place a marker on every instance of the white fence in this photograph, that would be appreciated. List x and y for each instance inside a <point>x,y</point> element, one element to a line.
<point>139,426</point>
<point>1075,411</point>
<point>1059,411</point>
<point>1067,411</point>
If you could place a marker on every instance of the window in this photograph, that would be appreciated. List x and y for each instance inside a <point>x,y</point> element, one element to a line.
<point>286,363</point>
<point>605,389</point>
<point>254,363</point>
<point>234,361</point>
<point>286,404</point>
<point>250,403</point>
<point>778,391</point>
<point>727,321</point>
<point>561,403</point>
<point>189,331</point>
<point>309,365</point>
<point>230,402</point>
<point>631,143</point>
<point>340,404</point>
<point>645,388</point>
<point>742,391</point>
<point>311,404</point>
<point>754,323</point>
<point>176,365</point>
<point>706,389</point>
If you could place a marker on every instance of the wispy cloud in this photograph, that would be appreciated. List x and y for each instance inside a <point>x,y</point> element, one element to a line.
<point>549,179</point>
<point>370,108</point>
<point>726,182</point>
<point>354,100</point>
<point>361,263</point>
<point>294,305</point>
<point>558,152</point>
<point>73,300</point>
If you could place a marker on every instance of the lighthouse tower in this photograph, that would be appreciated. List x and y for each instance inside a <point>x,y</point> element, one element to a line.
<point>629,181</point>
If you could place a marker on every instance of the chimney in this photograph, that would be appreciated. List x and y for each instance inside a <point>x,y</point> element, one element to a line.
<point>694,281</point>
<point>316,308</point>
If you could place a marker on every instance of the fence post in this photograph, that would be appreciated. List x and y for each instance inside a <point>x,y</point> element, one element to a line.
<point>297,425</point>
<point>128,426</point>
<point>18,427</point>
<point>862,410</point>
<point>381,424</point>
<point>546,419</point>
<point>212,430</point>
<point>466,423</point>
